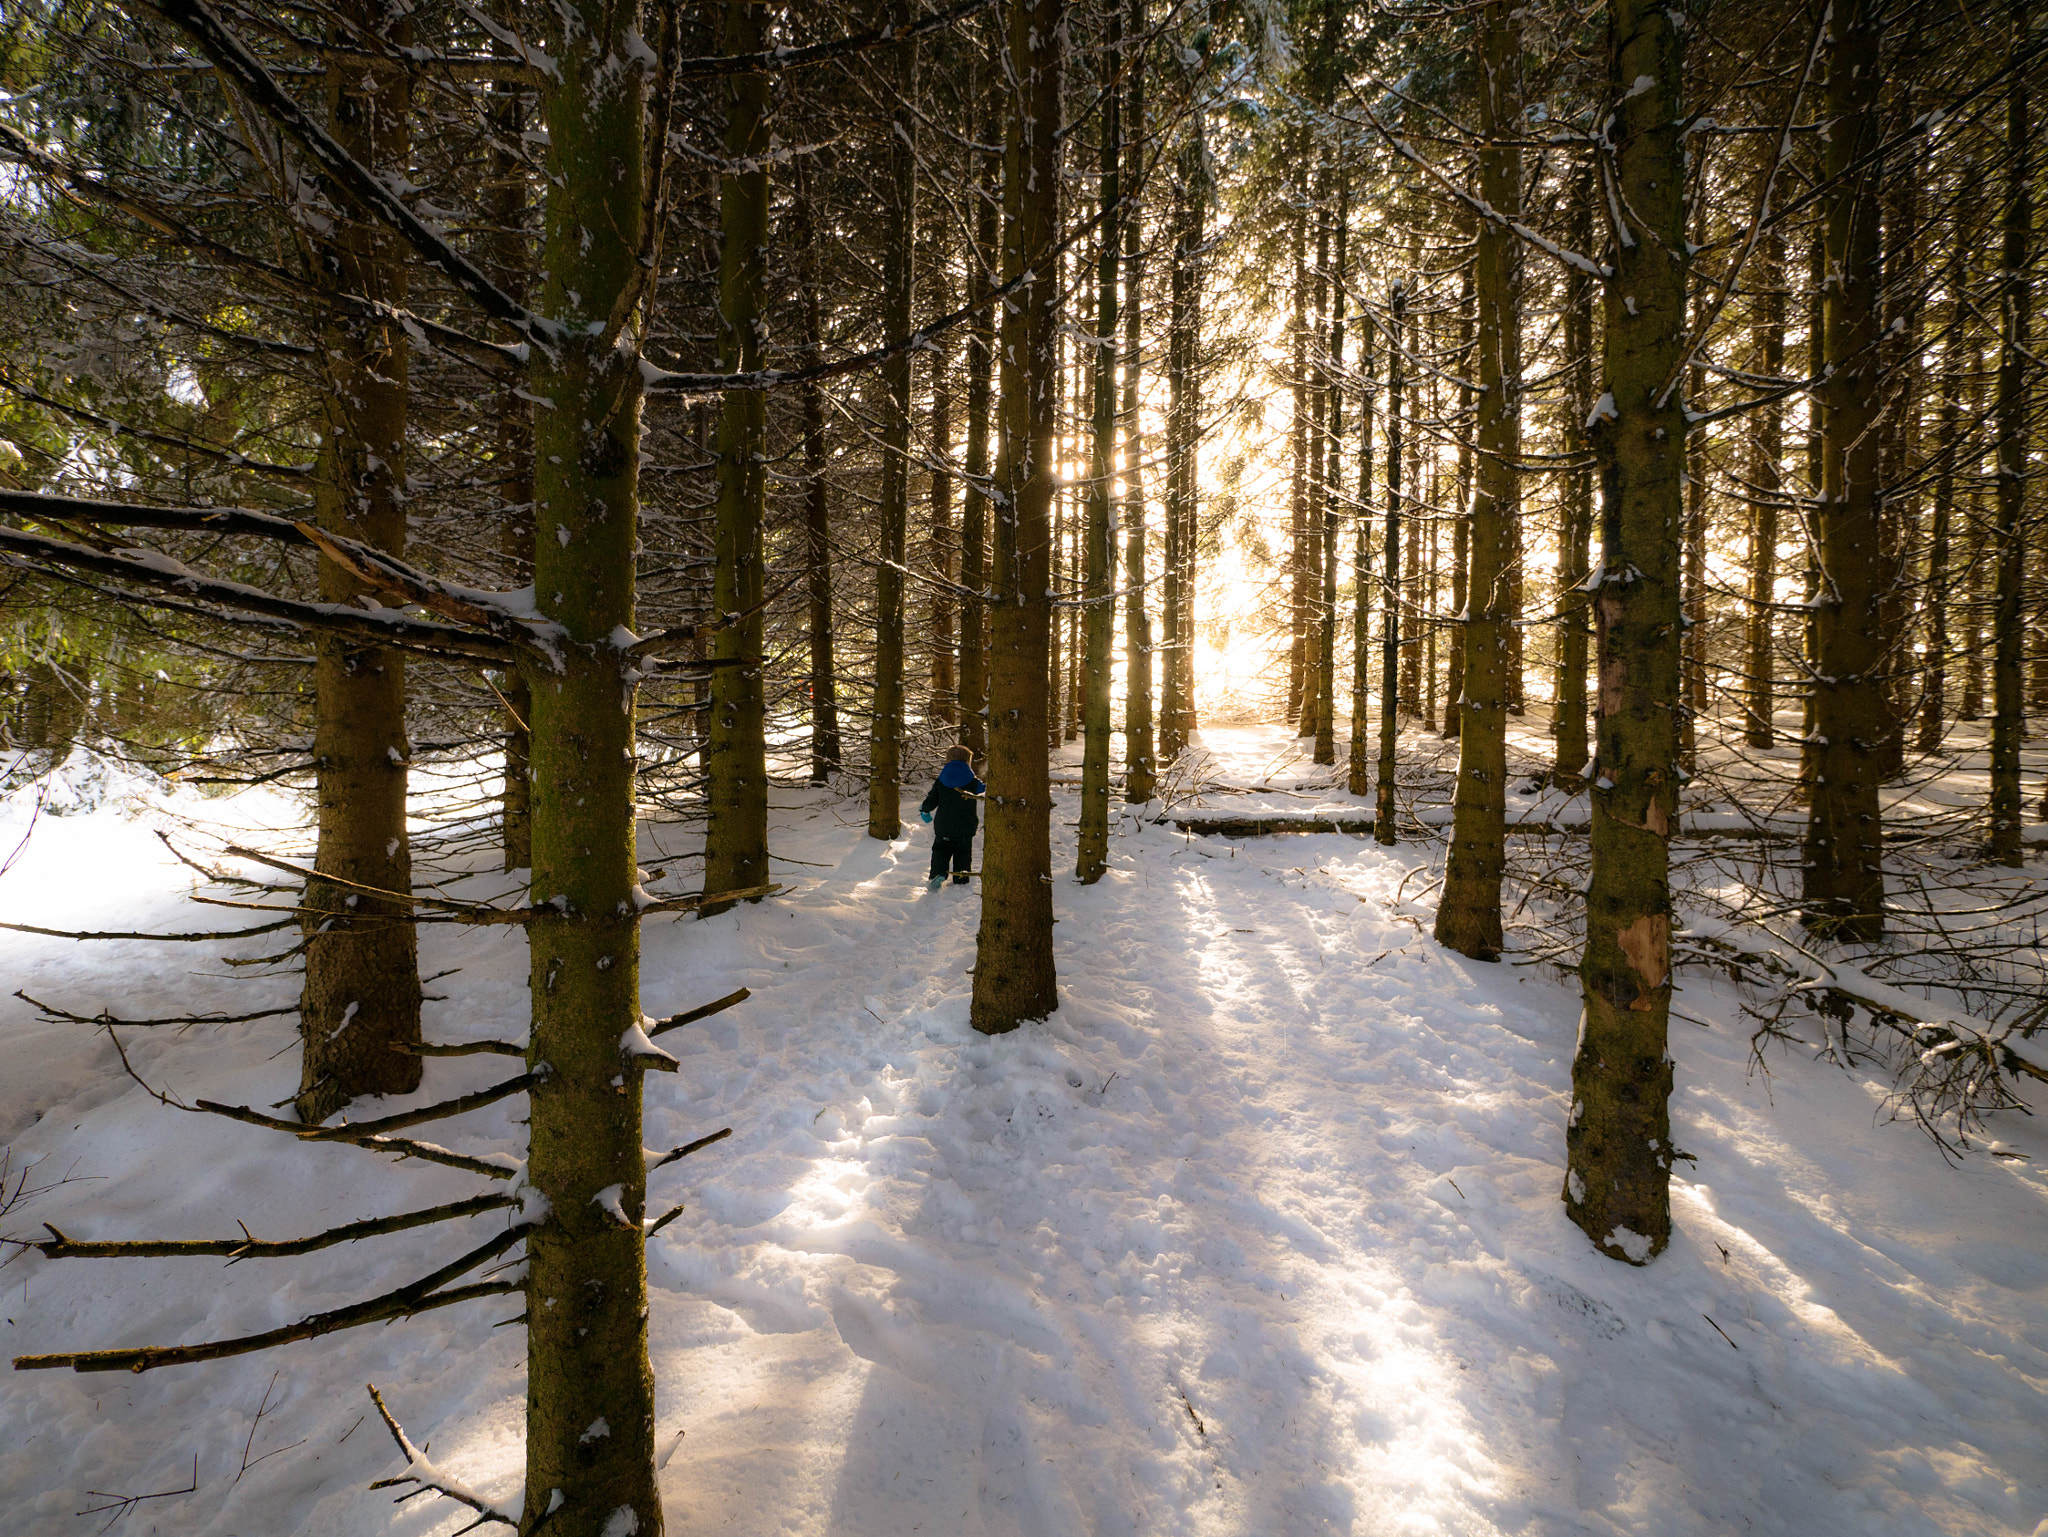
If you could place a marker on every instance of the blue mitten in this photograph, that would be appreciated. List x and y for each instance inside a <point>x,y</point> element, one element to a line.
<point>924,816</point>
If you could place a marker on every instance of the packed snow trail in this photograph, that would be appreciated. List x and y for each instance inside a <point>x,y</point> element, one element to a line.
<point>1258,1235</point>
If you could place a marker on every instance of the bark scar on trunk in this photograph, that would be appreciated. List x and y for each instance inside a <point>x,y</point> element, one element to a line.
<point>1647,944</point>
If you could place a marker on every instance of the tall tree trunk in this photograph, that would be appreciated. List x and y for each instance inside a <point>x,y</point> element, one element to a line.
<point>1461,521</point>
<point>824,685</point>
<point>1141,771</point>
<point>1185,402</point>
<point>508,205</point>
<point>1468,915</point>
<point>1568,717</point>
<point>359,1006</point>
<point>1054,673</point>
<point>1694,581</point>
<point>981,343</point>
<point>1092,841</point>
<point>1013,970</point>
<point>1390,573</point>
<point>1318,485</point>
<point>586,1278</point>
<point>1428,594</point>
<point>1333,458</point>
<point>1766,488</point>
<point>1901,359</point>
<point>1843,887</point>
<point>736,735</point>
<point>945,689</point>
<point>1975,529</point>
<point>1357,778</point>
<point>899,287</point>
<point>1298,434</point>
<point>2008,719</point>
<point>1816,411</point>
<point>1183,431</point>
<point>1934,688</point>
<point>1618,1141</point>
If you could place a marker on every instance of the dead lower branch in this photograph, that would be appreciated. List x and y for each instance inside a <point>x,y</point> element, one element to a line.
<point>421,1472</point>
<point>61,1245</point>
<point>704,1011</point>
<point>416,1297</point>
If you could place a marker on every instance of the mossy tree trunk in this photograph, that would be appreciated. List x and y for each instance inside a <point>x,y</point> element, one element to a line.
<point>1468,914</point>
<point>899,286</point>
<point>359,1005</point>
<point>1618,1142</point>
<point>1098,576</point>
<point>586,1286</point>
<point>2008,720</point>
<point>1842,891</point>
<point>1013,971</point>
<point>736,739</point>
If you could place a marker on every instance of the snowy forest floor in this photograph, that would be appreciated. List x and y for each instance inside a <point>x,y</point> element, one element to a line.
<point>1259,1234</point>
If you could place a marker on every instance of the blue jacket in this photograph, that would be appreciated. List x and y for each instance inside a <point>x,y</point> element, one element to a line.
<point>955,816</point>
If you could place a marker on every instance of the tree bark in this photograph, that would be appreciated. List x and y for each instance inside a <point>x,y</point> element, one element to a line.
<point>2008,706</point>
<point>1618,1142</point>
<point>1183,436</point>
<point>1318,483</point>
<point>586,1280</point>
<point>1390,574</point>
<point>1298,436</point>
<point>1461,517</point>
<point>981,352</point>
<point>1141,772</point>
<point>508,204</point>
<point>826,748</point>
<point>1568,716</point>
<point>360,1002</point>
<point>736,735</point>
<point>1358,779</point>
<point>1843,887</point>
<point>1468,916</point>
<point>1099,577</point>
<point>1940,535</point>
<point>1014,978</point>
<point>899,280</point>
<point>1327,542</point>
<point>1766,488</point>
<point>945,702</point>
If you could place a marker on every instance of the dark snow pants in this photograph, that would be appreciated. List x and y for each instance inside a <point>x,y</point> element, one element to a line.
<point>956,852</point>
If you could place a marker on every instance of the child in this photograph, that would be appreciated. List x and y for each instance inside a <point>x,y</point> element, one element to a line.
<point>951,810</point>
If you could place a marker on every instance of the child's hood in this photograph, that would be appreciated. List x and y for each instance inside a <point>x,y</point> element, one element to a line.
<point>956,775</point>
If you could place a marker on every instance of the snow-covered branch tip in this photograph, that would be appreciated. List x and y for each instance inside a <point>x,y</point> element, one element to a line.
<point>422,1473</point>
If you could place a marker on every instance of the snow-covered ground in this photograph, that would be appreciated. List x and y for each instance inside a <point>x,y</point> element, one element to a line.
<point>1258,1235</point>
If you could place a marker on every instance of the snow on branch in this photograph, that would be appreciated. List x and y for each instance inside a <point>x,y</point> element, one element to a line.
<point>422,1472</point>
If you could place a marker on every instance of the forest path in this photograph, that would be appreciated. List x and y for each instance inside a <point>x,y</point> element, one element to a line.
<point>1259,1234</point>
